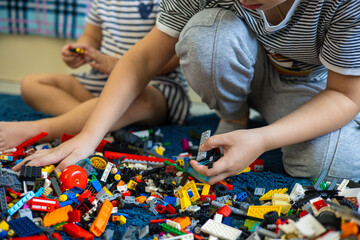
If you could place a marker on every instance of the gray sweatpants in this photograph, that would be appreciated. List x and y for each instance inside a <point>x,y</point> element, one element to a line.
<point>228,68</point>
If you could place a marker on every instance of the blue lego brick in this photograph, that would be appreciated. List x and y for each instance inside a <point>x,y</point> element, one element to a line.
<point>241,196</point>
<point>24,227</point>
<point>96,185</point>
<point>228,221</point>
<point>19,204</point>
<point>171,200</point>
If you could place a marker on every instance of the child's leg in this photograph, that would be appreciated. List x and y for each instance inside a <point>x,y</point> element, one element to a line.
<point>149,108</point>
<point>337,151</point>
<point>218,55</point>
<point>53,94</point>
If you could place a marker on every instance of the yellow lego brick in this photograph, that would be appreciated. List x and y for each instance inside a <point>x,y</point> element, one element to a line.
<point>205,188</point>
<point>259,211</point>
<point>132,185</point>
<point>185,202</point>
<point>285,206</point>
<point>4,226</point>
<point>184,191</point>
<point>280,197</point>
<point>248,169</point>
<point>107,191</point>
<point>267,196</point>
<point>48,168</point>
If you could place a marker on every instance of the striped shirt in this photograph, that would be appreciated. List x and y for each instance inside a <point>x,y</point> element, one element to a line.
<point>315,35</point>
<point>123,22</point>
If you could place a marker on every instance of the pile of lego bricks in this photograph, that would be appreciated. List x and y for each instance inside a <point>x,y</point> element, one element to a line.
<point>117,195</point>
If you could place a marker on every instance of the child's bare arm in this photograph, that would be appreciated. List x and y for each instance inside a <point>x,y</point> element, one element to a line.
<point>327,111</point>
<point>92,36</point>
<point>127,80</point>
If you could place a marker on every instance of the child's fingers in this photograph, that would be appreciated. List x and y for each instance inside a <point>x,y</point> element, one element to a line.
<point>218,178</point>
<point>69,160</point>
<point>220,166</point>
<point>212,142</point>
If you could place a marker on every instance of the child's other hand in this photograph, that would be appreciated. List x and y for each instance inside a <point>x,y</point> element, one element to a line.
<point>240,147</point>
<point>99,61</point>
<point>66,154</point>
<point>73,60</point>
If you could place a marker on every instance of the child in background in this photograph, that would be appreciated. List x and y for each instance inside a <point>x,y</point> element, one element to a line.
<point>112,27</point>
<point>295,61</point>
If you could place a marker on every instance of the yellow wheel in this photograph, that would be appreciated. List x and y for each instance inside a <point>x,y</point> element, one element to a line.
<point>98,162</point>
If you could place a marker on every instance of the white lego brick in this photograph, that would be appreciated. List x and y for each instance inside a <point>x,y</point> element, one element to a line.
<point>189,236</point>
<point>297,192</point>
<point>289,227</point>
<point>173,224</point>
<point>330,235</point>
<point>342,185</point>
<point>220,230</point>
<point>309,226</point>
<point>350,192</point>
<point>218,218</point>
<point>259,191</point>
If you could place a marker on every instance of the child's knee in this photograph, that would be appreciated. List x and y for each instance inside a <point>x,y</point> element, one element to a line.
<point>337,152</point>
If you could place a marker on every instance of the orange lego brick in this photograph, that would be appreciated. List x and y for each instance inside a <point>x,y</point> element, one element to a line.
<point>99,225</point>
<point>57,216</point>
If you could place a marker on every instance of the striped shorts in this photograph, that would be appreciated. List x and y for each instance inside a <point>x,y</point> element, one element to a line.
<point>173,86</point>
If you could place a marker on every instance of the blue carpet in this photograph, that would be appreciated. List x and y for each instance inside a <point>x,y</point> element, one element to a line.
<point>12,108</point>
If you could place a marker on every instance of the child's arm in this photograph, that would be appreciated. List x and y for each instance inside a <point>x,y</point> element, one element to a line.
<point>327,111</point>
<point>127,80</point>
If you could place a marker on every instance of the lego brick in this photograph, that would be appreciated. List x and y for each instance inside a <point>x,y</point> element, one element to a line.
<point>24,227</point>
<point>98,226</point>
<point>57,216</point>
<point>19,204</point>
<point>259,211</point>
<point>202,155</point>
<point>267,196</point>
<point>220,230</point>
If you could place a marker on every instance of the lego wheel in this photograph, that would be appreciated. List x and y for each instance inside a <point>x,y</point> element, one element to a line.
<point>98,162</point>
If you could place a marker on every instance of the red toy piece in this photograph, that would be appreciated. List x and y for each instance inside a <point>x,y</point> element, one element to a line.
<point>74,176</point>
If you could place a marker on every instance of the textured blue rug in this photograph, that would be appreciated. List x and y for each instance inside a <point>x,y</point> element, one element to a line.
<point>12,108</point>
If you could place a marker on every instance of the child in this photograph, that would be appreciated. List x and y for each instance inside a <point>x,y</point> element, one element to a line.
<point>113,27</point>
<point>295,61</point>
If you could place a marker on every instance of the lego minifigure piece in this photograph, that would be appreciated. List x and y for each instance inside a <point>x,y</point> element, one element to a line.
<point>220,230</point>
<point>24,227</point>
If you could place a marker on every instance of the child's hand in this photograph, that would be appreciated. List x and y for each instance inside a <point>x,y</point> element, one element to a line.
<point>68,153</point>
<point>240,147</point>
<point>73,59</point>
<point>99,61</point>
